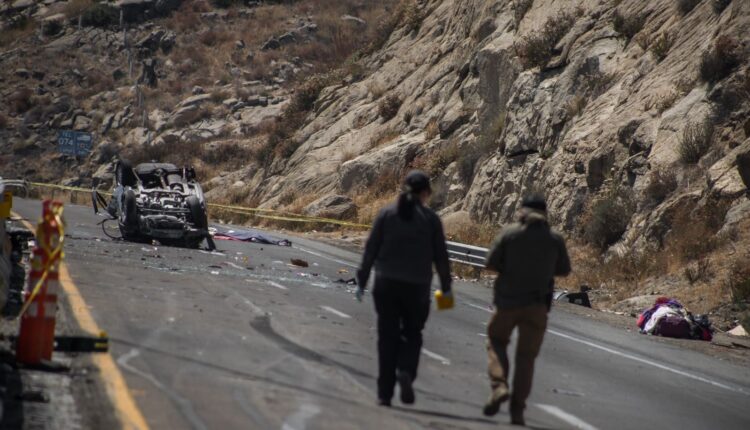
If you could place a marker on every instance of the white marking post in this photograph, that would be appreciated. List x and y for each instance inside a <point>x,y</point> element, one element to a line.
<point>335,311</point>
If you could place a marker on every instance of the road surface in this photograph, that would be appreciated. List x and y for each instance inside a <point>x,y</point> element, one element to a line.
<point>240,339</point>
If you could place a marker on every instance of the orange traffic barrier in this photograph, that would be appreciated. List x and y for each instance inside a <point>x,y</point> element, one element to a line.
<point>36,338</point>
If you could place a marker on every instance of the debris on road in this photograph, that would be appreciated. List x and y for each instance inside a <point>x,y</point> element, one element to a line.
<point>668,318</point>
<point>581,298</point>
<point>299,262</point>
<point>738,331</point>
<point>247,235</point>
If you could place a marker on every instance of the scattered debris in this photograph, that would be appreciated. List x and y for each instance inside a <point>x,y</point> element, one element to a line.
<point>668,318</point>
<point>299,262</point>
<point>581,298</point>
<point>247,235</point>
<point>738,331</point>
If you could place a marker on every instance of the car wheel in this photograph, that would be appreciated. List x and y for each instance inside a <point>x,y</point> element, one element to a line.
<point>197,212</point>
<point>129,220</point>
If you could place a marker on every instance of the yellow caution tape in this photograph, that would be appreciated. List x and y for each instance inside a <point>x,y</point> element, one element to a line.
<point>258,212</point>
<point>53,255</point>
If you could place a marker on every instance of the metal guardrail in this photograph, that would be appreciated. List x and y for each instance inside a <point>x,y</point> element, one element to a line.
<point>467,254</point>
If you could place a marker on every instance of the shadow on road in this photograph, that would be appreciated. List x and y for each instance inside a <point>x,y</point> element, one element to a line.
<point>445,415</point>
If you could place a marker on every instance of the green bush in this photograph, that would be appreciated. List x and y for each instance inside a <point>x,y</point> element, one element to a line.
<point>100,15</point>
<point>608,216</point>
<point>719,62</point>
<point>696,140</point>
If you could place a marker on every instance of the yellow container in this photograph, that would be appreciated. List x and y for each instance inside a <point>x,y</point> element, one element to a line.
<point>6,203</point>
<point>443,302</point>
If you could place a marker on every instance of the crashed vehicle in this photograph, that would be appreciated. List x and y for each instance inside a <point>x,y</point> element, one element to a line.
<point>14,240</point>
<point>157,201</point>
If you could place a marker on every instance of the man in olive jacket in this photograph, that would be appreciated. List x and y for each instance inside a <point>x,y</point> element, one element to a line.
<point>527,256</point>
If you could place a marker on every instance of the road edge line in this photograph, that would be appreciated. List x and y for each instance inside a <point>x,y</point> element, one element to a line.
<point>126,409</point>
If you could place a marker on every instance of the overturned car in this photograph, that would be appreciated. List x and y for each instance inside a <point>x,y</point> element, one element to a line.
<point>157,201</point>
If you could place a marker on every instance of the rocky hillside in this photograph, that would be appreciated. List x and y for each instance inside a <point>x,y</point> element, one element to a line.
<point>630,116</point>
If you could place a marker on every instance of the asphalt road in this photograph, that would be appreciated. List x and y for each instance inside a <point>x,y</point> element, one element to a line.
<point>240,339</point>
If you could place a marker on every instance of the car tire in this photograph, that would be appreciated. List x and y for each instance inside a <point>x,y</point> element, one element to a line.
<point>124,174</point>
<point>197,212</point>
<point>129,221</point>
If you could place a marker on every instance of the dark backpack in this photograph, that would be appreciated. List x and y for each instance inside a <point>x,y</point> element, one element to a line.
<point>673,326</point>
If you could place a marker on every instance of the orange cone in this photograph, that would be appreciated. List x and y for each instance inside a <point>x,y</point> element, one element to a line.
<point>36,338</point>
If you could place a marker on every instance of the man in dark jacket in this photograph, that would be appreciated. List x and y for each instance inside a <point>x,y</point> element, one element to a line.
<point>406,240</point>
<point>527,256</point>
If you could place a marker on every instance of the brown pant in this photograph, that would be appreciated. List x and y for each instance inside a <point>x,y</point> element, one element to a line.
<point>531,322</point>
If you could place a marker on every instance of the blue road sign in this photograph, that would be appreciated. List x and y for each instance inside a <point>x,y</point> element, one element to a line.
<point>76,143</point>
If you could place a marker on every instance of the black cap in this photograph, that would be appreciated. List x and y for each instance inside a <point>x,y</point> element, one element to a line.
<point>416,182</point>
<point>535,201</point>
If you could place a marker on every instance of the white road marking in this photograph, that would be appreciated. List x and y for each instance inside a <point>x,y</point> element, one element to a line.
<point>566,417</point>
<point>482,334</point>
<point>435,356</point>
<point>277,285</point>
<point>317,254</point>
<point>335,312</point>
<point>236,266</point>
<point>650,363</point>
<point>640,359</point>
<point>298,420</point>
<point>481,308</point>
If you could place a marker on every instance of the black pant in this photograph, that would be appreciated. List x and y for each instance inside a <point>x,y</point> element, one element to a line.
<point>402,310</point>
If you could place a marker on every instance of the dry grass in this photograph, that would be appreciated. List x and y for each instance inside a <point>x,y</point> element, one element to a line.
<point>21,30</point>
<point>629,25</point>
<point>536,49</point>
<point>661,45</point>
<point>384,137</point>
<point>432,130</point>
<point>696,140</point>
<point>389,106</point>
<point>718,62</point>
<point>576,105</point>
<point>685,6</point>
<point>75,8</point>
<point>661,183</point>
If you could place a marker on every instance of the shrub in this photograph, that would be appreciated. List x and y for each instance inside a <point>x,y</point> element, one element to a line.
<point>384,137</point>
<point>696,140</point>
<point>432,129</point>
<point>738,281</point>
<point>717,63</point>
<point>100,15</point>
<point>536,50</point>
<point>661,184</point>
<point>698,271</point>
<point>412,16</point>
<point>685,6</point>
<point>607,217</point>
<point>443,158</point>
<point>629,25</point>
<point>52,28</point>
<point>73,8</point>
<point>661,45</point>
<point>389,106</point>
<point>720,5</point>
<point>224,4</point>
